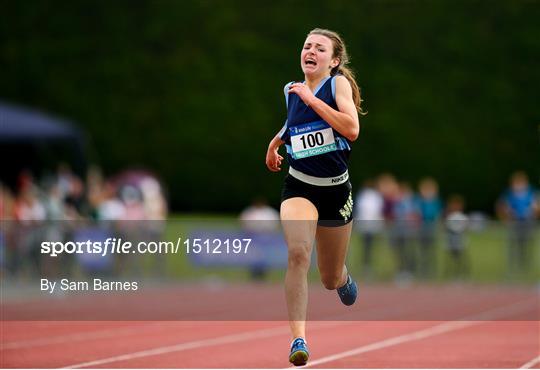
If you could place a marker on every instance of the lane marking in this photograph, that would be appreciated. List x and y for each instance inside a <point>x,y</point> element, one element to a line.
<point>429,332</point>
<point>109,333</point>
<point>75,337</point>
<point>200,343</point>
<point>531,363</point>
<point>233,338</point>
<point>505,310</point>
<point>186,346</point>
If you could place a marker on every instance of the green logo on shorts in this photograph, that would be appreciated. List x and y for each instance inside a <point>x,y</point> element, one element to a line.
<point>346,211</point>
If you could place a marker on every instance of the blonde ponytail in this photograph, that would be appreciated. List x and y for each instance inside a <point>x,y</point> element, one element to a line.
<point>340,52</point>
<point>349,75</point>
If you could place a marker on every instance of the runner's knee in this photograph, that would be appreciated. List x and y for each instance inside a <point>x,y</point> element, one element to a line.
<point>299,256</point>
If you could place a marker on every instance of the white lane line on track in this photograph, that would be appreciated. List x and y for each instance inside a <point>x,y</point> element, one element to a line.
<point>429,332</point>
<point>249,335</point>
<point>109,333</point>
<point>185,346</point>
<point>197,344</point>
<point>531,363</point>
<point>76,337</point>
<point>264,333</point>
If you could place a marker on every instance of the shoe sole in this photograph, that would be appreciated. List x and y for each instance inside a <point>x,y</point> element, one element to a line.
<point>299,358</point>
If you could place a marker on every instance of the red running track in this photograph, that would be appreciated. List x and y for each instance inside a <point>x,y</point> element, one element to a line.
<point>502,335</point>
<point>477,344</point>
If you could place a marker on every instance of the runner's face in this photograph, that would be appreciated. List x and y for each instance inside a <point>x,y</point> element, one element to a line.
<point>316,57</point>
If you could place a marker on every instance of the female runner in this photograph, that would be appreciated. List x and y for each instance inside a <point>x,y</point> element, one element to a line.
<point>322,121</point>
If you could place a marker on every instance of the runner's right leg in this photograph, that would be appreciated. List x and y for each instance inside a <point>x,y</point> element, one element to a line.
<point>299,219</point>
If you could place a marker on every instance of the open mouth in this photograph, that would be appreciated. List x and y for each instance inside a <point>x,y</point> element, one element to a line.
<point>310,62</point>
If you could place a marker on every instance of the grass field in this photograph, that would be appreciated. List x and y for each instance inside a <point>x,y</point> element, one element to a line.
<point>486,253</point>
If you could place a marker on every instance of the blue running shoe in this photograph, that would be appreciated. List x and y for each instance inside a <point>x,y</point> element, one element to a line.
<point>348,292</point>
<point>299,352</point>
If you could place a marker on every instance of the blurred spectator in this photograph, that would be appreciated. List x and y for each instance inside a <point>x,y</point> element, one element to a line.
<point>65,179</point>
<point>389,190</point>
<point>259,217</point>
<point>53,202</point>
<point>2,254</point>
<point>58,209</point>
<point>131,227</point>
<point>75,200</point>
<point>456,223</point>
<point>54,228</point>
<point>133,203</point>
<point>369,221</point>
<point>30,214</point>
<point>28,207</point>
<point>430,207</point>
<point>406,218</point>
<point>6,215</point>
<point>155,209</point>
<point>95,189</point>
<point>72,191</point>
<point>519,207</point>
<point>155,205</point>
<point>7,201</point>
<point>25,180</point>
<point>110,208</point>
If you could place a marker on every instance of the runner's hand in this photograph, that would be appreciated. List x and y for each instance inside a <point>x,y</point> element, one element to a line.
<point>303,91</point>
<point>273,159</point>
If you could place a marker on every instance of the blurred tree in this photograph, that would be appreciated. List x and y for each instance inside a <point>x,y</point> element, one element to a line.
<point>193,89</point>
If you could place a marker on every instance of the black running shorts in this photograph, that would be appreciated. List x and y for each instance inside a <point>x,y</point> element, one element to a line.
<point>334,203</point>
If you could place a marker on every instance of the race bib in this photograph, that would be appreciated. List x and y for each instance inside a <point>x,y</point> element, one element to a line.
<point>312,139</point>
